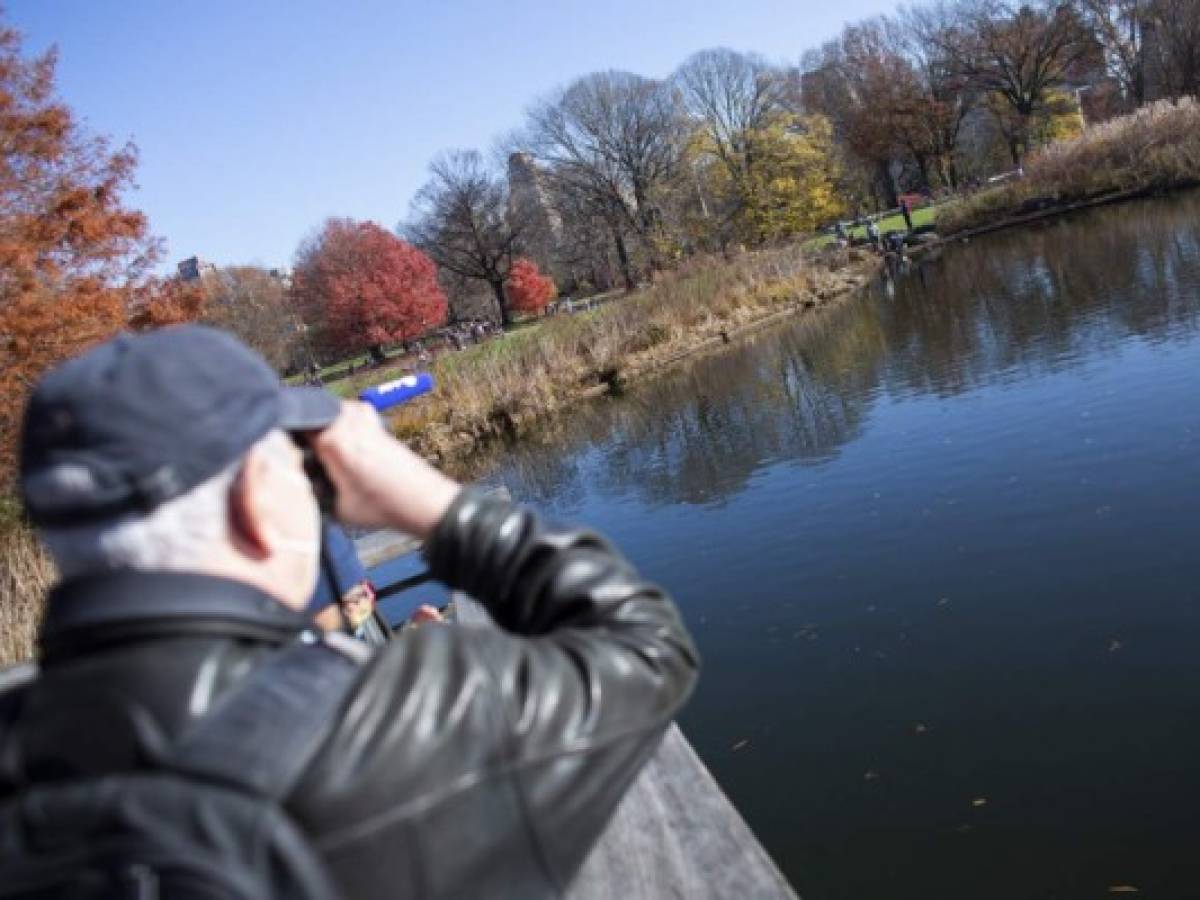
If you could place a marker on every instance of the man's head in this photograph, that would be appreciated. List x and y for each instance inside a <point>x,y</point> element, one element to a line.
<point>169,451</point>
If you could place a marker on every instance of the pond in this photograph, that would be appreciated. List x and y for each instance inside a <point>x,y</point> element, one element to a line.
<point>938,546</point>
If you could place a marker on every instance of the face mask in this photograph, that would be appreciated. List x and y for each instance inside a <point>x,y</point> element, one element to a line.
<point>294,545</point>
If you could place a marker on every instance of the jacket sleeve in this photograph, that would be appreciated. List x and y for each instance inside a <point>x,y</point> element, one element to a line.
<point>509,747</point>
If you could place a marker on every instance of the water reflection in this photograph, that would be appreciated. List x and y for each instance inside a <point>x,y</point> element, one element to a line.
<point>1009,307</point>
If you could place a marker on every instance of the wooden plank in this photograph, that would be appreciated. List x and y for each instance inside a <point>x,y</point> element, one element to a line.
<point>380,546</point>
<point>674,834</point>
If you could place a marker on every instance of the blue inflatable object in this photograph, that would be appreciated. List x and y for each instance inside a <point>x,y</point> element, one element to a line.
<point>393,393</point>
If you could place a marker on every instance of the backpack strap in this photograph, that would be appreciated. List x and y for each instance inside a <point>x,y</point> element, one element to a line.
<point>261,736</point>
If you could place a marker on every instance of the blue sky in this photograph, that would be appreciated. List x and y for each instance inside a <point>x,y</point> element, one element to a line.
<point>257,119</point>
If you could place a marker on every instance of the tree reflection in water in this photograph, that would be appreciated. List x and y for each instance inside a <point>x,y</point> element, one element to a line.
<point>1025,302</point>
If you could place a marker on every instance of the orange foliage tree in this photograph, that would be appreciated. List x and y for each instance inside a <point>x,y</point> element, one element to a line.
<point>365,287</point>
<point>73,258</point>
<point>528,289</point>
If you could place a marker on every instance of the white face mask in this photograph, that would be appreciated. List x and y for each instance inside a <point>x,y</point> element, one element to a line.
<point>294,545</point>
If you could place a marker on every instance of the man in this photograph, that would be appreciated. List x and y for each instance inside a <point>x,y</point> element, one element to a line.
<point>463,762</point>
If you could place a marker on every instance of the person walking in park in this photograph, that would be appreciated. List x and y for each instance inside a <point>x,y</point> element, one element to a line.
<point>189,732</point>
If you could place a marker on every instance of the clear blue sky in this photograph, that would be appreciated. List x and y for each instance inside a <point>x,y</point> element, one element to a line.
<point>256,119</point>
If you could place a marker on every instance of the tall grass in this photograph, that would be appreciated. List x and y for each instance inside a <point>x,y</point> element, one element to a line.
<point>497,388</point>
<point>25,574</point>
<point>1156,147</point>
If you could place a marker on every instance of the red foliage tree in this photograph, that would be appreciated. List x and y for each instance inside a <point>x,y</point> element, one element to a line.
<point>366,287</point>
<point>528,289</point>
<point>72,256</point>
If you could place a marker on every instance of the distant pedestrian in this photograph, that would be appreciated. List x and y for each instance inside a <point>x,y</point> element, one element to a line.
<point>906,212</point>
<point>873,233</point>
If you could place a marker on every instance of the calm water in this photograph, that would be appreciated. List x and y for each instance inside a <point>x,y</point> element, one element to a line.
<point>939,549</point>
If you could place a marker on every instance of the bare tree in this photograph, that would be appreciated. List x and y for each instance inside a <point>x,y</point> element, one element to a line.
<point>1017,54</point>
<point>942,98</point>
<point>1172,41</point>
<point>612,141</point>
<point>1120,28</point>
<point>863,87</point>
<point>461,218</point>
<point>253,304</point>
<point>731,96</point>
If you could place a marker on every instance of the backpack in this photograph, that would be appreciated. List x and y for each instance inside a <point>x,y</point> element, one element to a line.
<point>207,822</point>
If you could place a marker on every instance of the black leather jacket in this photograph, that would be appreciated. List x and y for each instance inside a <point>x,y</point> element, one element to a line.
<point>468,762</point>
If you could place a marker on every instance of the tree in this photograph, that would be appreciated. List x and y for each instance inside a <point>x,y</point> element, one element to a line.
<point>731,97</point>
<point>1173,45</point>
<point>254,304</point>
<point>859,83</point>
<point>366,287</point>
<point>934,114</point>
<point>1120,28</point>
<point>1017,54</point>
<point>461,219</point>
<point>71,253</point>
<point>615,140</point>
<point>528,289</point>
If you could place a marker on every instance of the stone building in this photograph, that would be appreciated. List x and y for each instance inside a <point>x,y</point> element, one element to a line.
<point>530,210</point>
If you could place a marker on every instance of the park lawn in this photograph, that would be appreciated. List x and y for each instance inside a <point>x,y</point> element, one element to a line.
<point>926,215</point>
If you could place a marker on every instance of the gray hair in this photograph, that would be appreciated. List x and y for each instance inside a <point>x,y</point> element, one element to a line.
<point>174,536</point>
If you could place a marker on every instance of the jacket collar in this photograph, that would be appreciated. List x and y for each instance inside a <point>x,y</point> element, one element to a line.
<point>82,611</point>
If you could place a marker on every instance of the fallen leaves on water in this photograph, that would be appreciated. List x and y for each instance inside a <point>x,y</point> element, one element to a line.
<point>744,742</point>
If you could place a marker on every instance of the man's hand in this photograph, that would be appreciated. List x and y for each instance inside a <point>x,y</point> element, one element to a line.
<point>379,481</point>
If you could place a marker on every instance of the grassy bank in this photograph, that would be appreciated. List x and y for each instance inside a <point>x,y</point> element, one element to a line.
<point>498,389</point>
<point>1155,148</point>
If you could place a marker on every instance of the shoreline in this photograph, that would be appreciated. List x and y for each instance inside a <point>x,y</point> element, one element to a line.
<point>454,448</point>
<point>1054,210</point>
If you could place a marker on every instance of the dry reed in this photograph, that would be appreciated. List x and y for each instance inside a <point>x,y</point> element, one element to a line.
<point>1155,148</point>
<point>25,574</point>
<point>497,389</point>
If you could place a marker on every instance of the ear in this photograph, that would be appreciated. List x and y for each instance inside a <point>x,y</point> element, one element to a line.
<point>248,505</point>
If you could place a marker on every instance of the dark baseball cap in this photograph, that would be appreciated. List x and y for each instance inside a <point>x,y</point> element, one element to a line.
<point>141,419</point>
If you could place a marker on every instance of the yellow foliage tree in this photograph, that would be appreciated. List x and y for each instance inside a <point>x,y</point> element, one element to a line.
<point>791,186</point>
<point>783,185</point>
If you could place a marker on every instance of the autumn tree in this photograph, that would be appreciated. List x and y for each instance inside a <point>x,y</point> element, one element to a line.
<point>528,289</point>
<point>1017,54</point>
<point>859,84</point>
<point>72,254</point>
<point>255,304</point>
<point>1173,45</point>
<point>940,99</point>
<point>366,287</point>
<point>1120,27</point>
<point>733,99</point>
<point>460,217</point>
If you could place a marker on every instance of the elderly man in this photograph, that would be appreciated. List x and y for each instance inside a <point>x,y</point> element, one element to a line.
<point>188,728</point>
